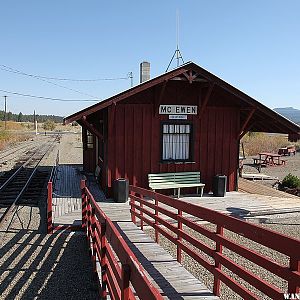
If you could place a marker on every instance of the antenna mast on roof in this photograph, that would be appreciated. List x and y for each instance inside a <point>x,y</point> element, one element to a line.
<point>177,53</point>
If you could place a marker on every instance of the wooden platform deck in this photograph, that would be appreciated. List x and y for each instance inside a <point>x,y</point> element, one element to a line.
<point>173,281</point>
<point>171,278</point>
<point>67,196</point>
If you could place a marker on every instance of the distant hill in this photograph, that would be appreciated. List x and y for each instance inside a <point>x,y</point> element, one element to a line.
<point>290,113</point>
<point>29,118</point>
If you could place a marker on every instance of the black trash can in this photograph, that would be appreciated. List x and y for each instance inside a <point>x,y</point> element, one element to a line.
<point>219,185</point>
<point>121,190</point>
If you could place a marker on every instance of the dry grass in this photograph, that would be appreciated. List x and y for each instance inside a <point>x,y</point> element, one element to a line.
<point>8,138</point>
<point>261,142</point>
<point>10,125</point>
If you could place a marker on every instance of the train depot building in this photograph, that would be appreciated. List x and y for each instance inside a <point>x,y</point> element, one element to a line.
<point>184,120</point>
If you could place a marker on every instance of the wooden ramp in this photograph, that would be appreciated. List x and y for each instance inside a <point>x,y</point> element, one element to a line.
<point>171,278</point>
<point>252,187</point>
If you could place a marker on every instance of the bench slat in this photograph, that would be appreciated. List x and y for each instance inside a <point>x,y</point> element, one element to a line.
<point>175,180</point>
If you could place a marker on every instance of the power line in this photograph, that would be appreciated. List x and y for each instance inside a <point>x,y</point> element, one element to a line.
<point>15,71</point>
<point>49,98</point>
<point>9,69</point>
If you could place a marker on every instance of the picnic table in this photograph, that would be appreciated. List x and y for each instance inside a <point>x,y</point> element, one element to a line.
<point>287,150</point>
<point>270,159</point>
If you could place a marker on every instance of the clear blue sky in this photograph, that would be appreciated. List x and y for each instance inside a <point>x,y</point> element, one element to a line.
<point>253,45</point>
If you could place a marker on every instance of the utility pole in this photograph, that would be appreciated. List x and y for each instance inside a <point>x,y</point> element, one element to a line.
<point>35,122</point>
<point>5,112</point>
<point>130,75</point>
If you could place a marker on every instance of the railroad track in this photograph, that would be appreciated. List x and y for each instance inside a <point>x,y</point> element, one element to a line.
<point>25,183</point>
<point>13,153</point>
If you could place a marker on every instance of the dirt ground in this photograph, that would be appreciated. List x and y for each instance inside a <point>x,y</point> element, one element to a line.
<point>292,166</point>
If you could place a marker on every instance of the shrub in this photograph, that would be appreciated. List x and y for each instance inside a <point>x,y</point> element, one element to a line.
<point>49,125</point>
<point>291,181</point>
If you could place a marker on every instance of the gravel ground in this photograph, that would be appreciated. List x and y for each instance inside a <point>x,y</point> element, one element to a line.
<point>35,265</point>
<point>7,163</point>
<point>286,224</point>
<point>292,166</point>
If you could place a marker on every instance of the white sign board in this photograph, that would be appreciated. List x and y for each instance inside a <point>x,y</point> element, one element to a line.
<point>177,109</point>
<point>177,117</point>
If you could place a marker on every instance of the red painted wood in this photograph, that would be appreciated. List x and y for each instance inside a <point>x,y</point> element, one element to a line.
<point>219,141</point>
<point>268,238</point>
<point>146,123</point>
<point>111,146</point>
<point>49,208</point>
<point>134,145</point>
<point>120,139</point>
<point>113,250</point>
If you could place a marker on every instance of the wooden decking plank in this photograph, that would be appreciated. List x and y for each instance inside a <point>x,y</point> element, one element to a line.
<point>170,277</point>
<point>67,196</point>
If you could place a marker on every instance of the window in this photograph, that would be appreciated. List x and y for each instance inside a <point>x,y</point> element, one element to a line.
<point>89,140</point>
<point>176,142</point>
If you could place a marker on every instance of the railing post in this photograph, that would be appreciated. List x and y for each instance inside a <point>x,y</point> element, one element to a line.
<point>125,288</point>
<point>219,248</point>
<point>93,220</point>
<point>84,203</point>
<point>294,287</point>
<point>103,265</point>
<point>179,226</point>
<point>89,225</point>
<point>133,218</point>
<point>141,205</point>
<point>156,215</point>
<point>49,208</point>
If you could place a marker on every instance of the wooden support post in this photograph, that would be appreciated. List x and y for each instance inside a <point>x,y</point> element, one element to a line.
<point>125,288</point>
<point>156,215</point>
<point>219,248</point>
<point>49,208</point>
<point>84,204</point>
<point>246,123</point>
<point>207,97</point>
<point>132,202</point>
<point>294,287</point>
<point>179,226</point>
<point>94,253</point>
<point>91,128</point>
<point>103,263</point>
<point>142,222</point>
<point>89,225</point>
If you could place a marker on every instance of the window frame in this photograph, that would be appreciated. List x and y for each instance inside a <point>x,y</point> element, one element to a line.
<point>191,141</point>
<point>89,145</point>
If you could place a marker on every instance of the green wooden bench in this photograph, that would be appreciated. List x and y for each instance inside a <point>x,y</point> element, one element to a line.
<point>177,181</point>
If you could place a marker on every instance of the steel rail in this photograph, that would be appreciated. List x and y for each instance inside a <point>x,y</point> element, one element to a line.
<point>11,209</point>
<point>17,149</point>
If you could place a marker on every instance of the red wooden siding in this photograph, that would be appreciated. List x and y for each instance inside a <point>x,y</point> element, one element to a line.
<point>134,144</point>
<point>219,145</point>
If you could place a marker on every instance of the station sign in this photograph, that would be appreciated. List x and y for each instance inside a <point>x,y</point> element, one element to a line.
<point>177,117</point>
<point>178,110</point>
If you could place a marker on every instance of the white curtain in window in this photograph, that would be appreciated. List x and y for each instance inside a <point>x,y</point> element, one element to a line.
<point>176,142</point>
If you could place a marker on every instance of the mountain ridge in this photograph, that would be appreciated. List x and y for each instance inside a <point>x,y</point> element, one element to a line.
<point>290,113</point>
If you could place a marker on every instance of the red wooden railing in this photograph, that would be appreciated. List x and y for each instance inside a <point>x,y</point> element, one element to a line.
<point>165,215</point>
<point>119,266</point>
<point>49,207</point>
